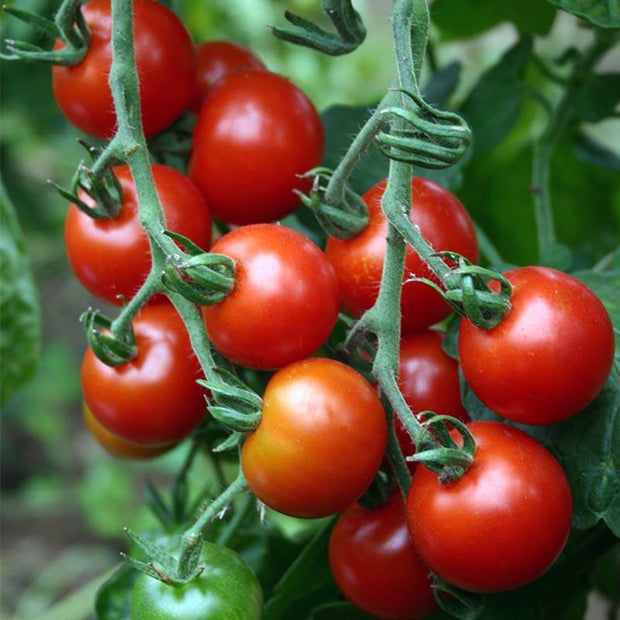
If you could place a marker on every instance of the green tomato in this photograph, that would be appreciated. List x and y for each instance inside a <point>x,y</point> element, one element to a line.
<point>227,589</point>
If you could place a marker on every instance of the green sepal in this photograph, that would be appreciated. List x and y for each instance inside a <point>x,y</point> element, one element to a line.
<point>111,349</point>
<point>456,602</point>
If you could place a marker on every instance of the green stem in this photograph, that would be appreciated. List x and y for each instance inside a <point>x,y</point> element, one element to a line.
<point>487,248</point>
<point>236,522</point>
<point>396,459</point>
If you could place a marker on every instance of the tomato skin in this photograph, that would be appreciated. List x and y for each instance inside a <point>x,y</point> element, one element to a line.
<point>429,381</point>
<point>503,523</point>
<point>216,59</point>
<point>256,133</point>
<point>154,398</point>
<point>358,261</point>
<point>320,440</point>
<point>111,257</point>
<point>549,357</point>
<point>166,65</point>
<point>227,589</point>
<point>375,565</point>
<point>284,303</point>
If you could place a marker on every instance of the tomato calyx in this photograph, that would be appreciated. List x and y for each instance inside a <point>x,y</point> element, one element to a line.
<point>69,26</point>
<point>456,602</point>
<point>201,277</point>
<point>348,23</point>
<point>112,348</point>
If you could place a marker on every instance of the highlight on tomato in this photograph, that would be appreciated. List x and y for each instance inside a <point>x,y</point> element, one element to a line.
<point>320,441</point>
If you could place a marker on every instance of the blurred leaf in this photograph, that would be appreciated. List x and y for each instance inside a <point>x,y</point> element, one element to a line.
<point>113,599</point>
<point>602,13</point>
<point>607,574</point>
<point>492,108</point>
<point>20,315</point>
<point>594,152</point>
<point>442,83</point>
<point>337,611</point>
<point>598,97</point>
<point>462,19</point>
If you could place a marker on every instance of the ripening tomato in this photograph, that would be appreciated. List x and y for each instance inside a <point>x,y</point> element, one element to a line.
<point>550,355</point>
<point>165,60</point>
<point>214,60</point>
<point>375,565</point>
<point>503,523</point>
<point>358,261</point>
<point>111,257</point>
<point>153,399</point>
<point>320,441</point>
<point>284,303</point>
<point>256,133</point>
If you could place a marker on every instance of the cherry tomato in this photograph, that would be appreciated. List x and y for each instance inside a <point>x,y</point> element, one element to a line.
<point>284,303</point>
<point>111,257</point>
<point>166,65</point>
<point>117,446</point>
<point>375,565</point>
<point>256,133</point>
<point>503,523</point>
<point>154,398</point>
<point>358,261</point>
<point>214,60</point>
<point>429,381</point>
<point>320,440</point>
<point>549,357</point>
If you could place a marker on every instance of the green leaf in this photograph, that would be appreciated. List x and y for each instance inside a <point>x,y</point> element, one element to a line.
<point>114,597</point>
<point>602,13</point>
<point>593,152</point>
<point>462,19</point>
<point>442,83</point>
<point>493,107</point>
<point>338,611</point>
<point>598,97</point>
<point>20,315</point>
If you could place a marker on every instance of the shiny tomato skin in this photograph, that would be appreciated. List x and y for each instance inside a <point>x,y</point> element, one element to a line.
<point>375,565</point>
<point>216,59</point>
<point>166,65</point>
<point>284,303</point>
<point>111,257</point>
<point>358,261</point>
<point>320,441</point>
<point>429,381</point>
<point>154,398</point>
<point>502,524</point>
<point>256,133</point>
<point>549,357</point>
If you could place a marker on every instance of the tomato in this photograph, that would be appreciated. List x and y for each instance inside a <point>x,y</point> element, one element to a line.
<point>166,65</point>
<point>429,381</point>
<point>375,565</point>
<point>503,523</point>
<point>117,446</point>
<point>256,133</point>
<point>215,59</point>
<point>549,357</point>
<point>111,257</point>
<point>358,261</point>
<point>226,589</point>
<point>320,441</point>
<point>284,303</point>
<point>154,398</point>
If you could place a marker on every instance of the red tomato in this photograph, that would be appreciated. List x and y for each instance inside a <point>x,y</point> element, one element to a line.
<point>375,565</point>
<point>284,303</point>
<point>549,357</point>
<point>320,440</point>
<point>256,133</point>
<point>215,59</point>
<point>154,398</point>
<point>503,523</point>
<point>429,381</point>
<point>111,257</point>
<point>358,261</point>
<point>165,60</point>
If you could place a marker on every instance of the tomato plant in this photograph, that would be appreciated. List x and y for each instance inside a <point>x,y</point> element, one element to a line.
<point>166,64</point>
<point>226,589</point>
<point>503,523</point>
<point>320,440</point>
<point>358,261</point>
<point>152,399</point>
<point>255,135</point>
<point>549,357</point>
<point>375,565</point>
<point>285,300</point>
<point>111,256</point>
